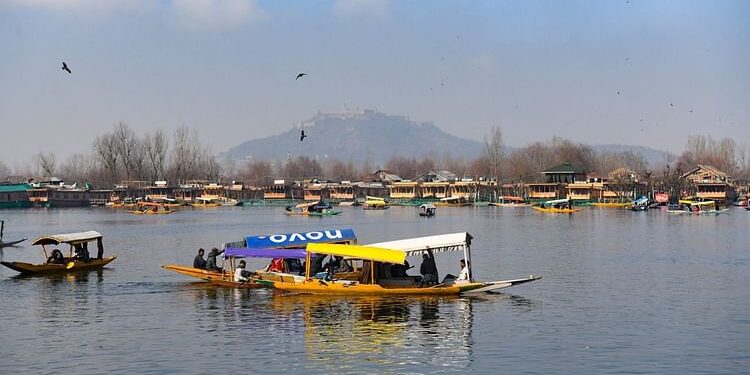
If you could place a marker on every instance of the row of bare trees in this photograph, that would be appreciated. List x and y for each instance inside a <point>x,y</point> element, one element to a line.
<point>121,154</point>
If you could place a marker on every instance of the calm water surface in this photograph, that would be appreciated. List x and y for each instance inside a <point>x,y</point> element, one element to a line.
<point>622,292</point>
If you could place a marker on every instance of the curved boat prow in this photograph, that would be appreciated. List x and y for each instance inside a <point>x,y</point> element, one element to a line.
<point>497,285</point>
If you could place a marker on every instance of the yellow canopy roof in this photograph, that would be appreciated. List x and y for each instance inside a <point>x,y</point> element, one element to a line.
<point>377,254</point>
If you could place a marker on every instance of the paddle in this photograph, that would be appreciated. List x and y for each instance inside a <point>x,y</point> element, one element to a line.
<point>70,265</point>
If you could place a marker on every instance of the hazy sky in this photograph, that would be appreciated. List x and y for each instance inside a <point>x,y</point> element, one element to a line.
<point>227,68</point>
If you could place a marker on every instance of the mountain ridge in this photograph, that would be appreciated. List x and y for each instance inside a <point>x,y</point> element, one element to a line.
<point>369,135</point>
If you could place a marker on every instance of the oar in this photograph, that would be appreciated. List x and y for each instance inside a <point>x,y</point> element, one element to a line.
<point>70,265</point>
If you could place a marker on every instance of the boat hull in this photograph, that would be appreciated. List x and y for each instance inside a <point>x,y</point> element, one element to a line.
<point>44,269</point>
<point>557,210</point>
<point>353,288</point>
<point>213,277</point>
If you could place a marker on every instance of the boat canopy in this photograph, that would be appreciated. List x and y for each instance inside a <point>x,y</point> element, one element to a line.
<point>427,206</point>
<point>450,199</point>
<point>299,239</point>
<point>556,201</point>
<point>306,204</point>
<point>376,254</point>
<point>378,203</point>
<point>241,252</point>
<point>640,201</point>
<point>440,243</point>
<point>511,198</point>
<point>72,238</point>
<point>371,198</point>
<point>694,203</point>
<point>204,199</point>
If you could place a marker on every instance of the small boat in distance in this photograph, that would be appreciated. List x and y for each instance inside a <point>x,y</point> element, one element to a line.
<point>78,255</point>
<point>319,208</point>
<point>149,208</point>
<point>510,201</point>
<point>375,203</point>
<point>693,207</point>
<point>640,204</point>
<point>453,202</point>
<point>427,210</point>
<point>201,202</point>
<point>558,206</point>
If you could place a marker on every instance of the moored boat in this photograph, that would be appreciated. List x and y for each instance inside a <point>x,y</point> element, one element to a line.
<point>640,204</point>
<point>559,206</point>
<point>375,203</point>
<point>380,269</point>
<point>319,208</point>
<point>150,208</point>
<point>693,207</point>
<point>510,201</point>
<point>77,259</point>
<point>201,202</point>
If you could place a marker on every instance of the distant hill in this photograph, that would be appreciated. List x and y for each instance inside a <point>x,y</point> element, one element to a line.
<point>362,134</point>
<point>655,158</point>
<point>357,136</point>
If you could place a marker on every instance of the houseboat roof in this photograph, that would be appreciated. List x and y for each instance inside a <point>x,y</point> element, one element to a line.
<point>12,188</point>
<point>565,168</point>
<point>71,238</point>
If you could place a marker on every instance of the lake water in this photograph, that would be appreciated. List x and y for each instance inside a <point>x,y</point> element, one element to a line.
<point>623,292</point>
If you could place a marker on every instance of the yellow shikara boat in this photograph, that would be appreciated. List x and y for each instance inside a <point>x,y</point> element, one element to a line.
<point>380,269</point>
<point>149,208</point>
<point>557,206</point>
<point>57,263</point>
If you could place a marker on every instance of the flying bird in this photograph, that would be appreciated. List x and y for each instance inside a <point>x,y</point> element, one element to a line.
<point>302,136</point>
<point>300,76</point>
<point>65,67</point>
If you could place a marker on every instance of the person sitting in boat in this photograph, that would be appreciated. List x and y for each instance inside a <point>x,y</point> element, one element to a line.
<point>277,265</point>
<point>240,275</point>
<point>211,262</point>
<point>81,253</point>
<point>399,270</point>
<point>463,276</point>
<point>428,269</point>
<point>294,266</point>
<point>199,262</point>
<point>342,265</point>
<point>56,257</point>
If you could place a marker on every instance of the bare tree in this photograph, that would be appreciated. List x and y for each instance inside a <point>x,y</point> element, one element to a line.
<point>47,163</point>
<point>492,153</point>
<point>185,153</point>
<point>126,144</point>
<point>105,152</point>
<point>156,146</point>
<point>257,172</point>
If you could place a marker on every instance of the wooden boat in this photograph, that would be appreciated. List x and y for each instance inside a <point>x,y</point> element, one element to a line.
<point>612,204</point>
<point>374,269</point>
<point>149,208</point>
<point>375,203</point>
<point>453,202</point>
<point>692,207</point>
<point>510,201</point>
<point>427,210</point>
<point>640,204</point>
<point>7,244</point>
<point>280,246</point>
<point>205,203</point>
<point>311,209</point>
<point>557,206</point>
<point>73,262</point>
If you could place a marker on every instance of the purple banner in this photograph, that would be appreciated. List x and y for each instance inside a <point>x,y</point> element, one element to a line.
<point>242,252</point>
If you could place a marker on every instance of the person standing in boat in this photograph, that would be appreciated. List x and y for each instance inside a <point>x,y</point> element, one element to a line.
<point>199,262</point>
<point>211,262</point>
<point>428,269</point>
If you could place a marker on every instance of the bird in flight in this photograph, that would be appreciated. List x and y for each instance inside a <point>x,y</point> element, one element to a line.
<point>302,136</point>
<point>65,67</point>
<point>300,76</point>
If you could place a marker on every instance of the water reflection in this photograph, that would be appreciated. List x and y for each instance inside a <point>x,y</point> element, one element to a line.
<point>345,333</point>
